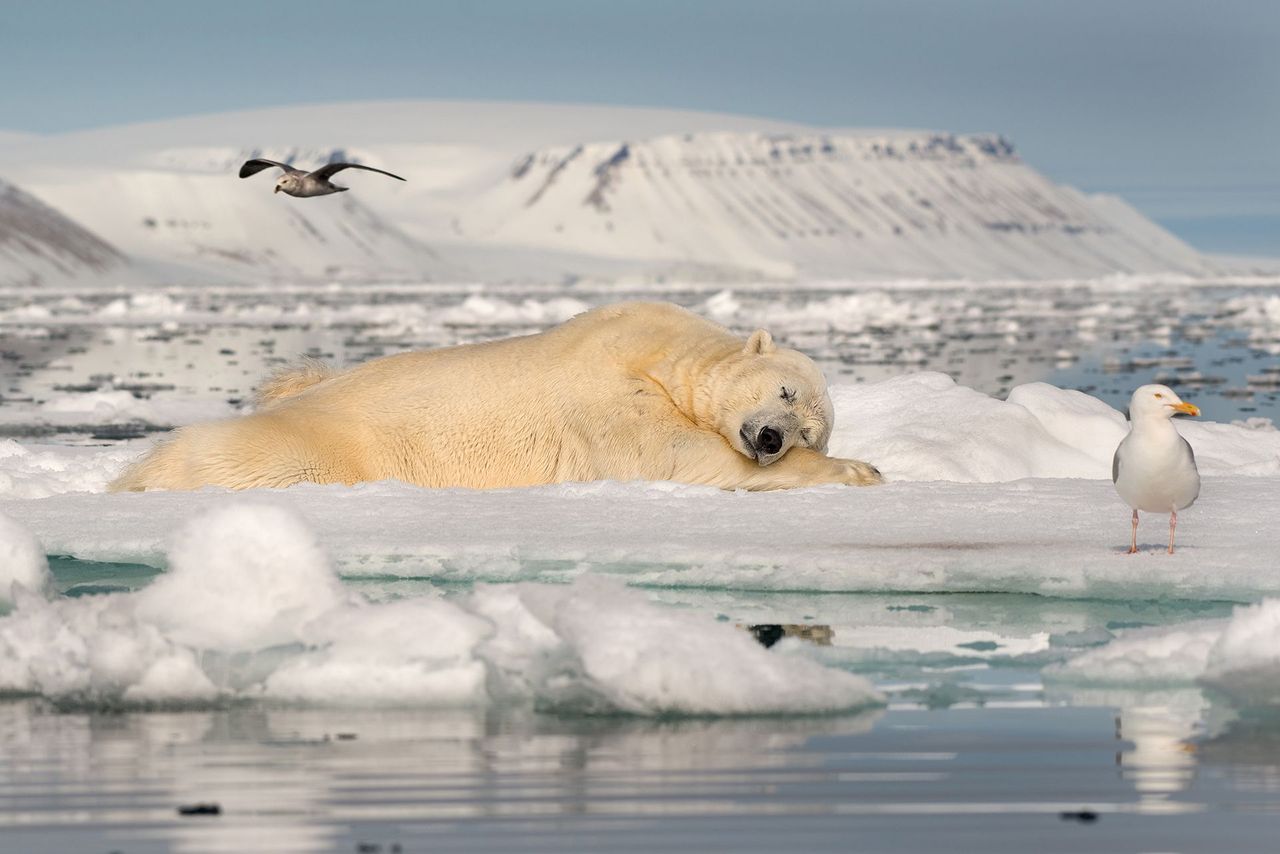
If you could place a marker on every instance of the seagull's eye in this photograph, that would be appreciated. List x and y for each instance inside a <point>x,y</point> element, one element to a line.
<point>1159,396</point>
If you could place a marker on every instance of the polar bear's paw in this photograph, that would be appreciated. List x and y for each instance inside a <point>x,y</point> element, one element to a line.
<point>857,473</point>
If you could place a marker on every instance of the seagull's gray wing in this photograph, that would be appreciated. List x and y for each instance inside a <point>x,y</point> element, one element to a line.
<point>1190,453</point>
<point>1115,466</point>
<point>253,167</point>
<point>328,170</point>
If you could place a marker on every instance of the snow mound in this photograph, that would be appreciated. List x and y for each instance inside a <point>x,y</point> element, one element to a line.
<point>22,560</point>
<point>924,426</point>
<point>252,609</point>
<point>217,557</point>
<point>28,471</point>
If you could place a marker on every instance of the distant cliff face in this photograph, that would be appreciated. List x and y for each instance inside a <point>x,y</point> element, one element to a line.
<point>40,246</point>
<point>820,204</point>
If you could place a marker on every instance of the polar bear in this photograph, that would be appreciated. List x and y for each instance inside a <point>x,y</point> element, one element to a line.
<point>635,391</point>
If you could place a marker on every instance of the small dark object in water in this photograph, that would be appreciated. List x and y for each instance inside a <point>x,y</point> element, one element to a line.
<point>767,633</point>
<point>199,809</point>
<point>117,432</point>
<point>368,848</point>
<point>1082,816</point>
<point>346,736</point>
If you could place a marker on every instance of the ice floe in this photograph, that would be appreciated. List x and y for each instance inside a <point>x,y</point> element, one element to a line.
<point>1238,657</point>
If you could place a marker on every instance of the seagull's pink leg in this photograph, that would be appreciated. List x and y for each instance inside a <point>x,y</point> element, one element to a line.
<point>1133,547</point>
<point>1173,523</point>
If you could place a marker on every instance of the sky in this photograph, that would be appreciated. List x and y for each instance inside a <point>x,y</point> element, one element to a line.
<point>1173,104</point>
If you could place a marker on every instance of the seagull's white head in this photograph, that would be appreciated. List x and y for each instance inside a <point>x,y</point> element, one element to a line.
<point>286,182</point>
<point>1158,401</point>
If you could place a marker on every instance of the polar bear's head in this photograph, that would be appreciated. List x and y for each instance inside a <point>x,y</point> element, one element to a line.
<point>770,400</point>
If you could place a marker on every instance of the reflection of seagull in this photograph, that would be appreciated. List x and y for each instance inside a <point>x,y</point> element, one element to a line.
<point>295,182</point>
<point>1154,469</point>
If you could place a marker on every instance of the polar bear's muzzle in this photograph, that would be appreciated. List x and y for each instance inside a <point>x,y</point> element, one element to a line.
<point>765,444</point>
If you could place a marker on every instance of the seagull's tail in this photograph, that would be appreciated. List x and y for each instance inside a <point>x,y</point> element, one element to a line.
<point>291,380</point>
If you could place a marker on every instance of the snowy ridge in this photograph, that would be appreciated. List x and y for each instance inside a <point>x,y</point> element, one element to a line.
<point>784,205</point>
<point>40,246</point>
<point>527,191</point>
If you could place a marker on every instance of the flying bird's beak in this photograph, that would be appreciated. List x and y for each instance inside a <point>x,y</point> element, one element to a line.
<point>277,189</point>
<point>1186,408</point>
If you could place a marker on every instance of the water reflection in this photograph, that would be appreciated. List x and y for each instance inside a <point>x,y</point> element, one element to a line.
<point>293,779</point>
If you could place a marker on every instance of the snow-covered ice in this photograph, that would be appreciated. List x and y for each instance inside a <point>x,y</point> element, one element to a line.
<point>987,495</point>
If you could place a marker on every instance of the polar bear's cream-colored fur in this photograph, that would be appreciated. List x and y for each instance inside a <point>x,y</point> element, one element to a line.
<point>632,391</point>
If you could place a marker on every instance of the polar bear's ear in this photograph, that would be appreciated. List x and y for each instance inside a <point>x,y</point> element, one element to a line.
<point>760,343</point>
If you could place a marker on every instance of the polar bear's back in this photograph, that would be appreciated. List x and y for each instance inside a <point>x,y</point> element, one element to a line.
<point>572,403</point>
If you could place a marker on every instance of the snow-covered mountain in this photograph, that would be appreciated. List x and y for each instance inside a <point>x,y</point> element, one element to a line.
<point>821,204</point>
<point>498,191</point>
<point>40,246</point>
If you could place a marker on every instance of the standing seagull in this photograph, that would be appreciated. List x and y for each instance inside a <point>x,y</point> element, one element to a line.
<point>295,182</point>
<point>1154,469</point>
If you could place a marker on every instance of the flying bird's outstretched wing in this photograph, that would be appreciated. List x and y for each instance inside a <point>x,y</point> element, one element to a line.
<point>253,167</point>
<point>327,171</point>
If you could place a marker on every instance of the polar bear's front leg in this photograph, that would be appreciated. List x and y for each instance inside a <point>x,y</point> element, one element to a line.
<point>716,463</point>
<point>806,467</point>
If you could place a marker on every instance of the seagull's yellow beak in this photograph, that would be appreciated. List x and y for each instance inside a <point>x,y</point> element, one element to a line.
<point>1185,408</point>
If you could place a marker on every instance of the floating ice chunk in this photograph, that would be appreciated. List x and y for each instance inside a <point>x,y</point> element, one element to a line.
<point>609,650</point>
<point>247,575</point>
<point>1239,656</point>
<point>88,650</point>
<point>1245,661</point>
<point>251,608</point>
<point>477,310</point>
<point>411,652</point>
<point>1152,657</point>
<point>22,560</point>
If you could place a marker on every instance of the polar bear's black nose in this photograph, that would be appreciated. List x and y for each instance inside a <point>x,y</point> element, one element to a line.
<point>769,441</point>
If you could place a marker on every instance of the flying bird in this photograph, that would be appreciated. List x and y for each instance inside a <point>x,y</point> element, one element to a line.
<point>1154,469</point>
<point>295,182</point>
